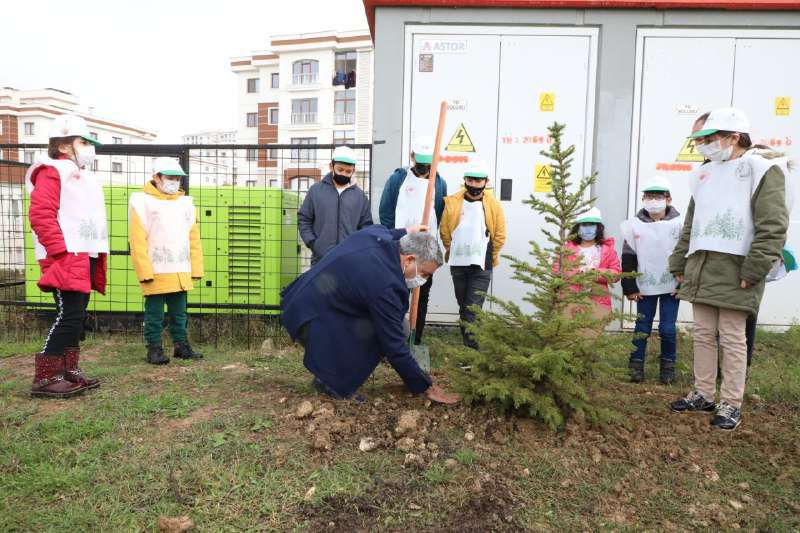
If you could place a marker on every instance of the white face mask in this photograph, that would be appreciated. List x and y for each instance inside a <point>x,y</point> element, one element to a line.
<point>655,206</point>
<point>170,186</point>
<point>85,156</point>
<point>416,281</point>
<point>714,152</point>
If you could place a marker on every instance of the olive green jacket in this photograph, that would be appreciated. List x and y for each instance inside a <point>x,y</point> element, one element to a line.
<point>714,278</point>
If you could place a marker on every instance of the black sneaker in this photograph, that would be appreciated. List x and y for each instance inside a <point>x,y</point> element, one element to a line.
<point>727,417</point>
<point>155,355</point>
<point>694,402</point>
<point>637,370</point>
<point>183,350</point>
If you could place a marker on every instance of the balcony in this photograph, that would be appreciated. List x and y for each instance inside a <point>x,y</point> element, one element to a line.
<point>304,118</point>
<point>344,118</point>
<point>305,78</point>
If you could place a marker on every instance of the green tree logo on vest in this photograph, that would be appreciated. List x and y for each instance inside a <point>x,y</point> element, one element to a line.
<point>89,231</point>
<point>725,226</point>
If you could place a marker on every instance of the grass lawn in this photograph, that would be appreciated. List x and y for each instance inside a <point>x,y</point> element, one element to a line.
<point>220,441</point>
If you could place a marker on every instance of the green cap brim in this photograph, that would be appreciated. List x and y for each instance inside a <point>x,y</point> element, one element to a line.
<point>422,158</point>
<point>92,140</point>
<point>589,220</point>
<point>173,173</point>
<point>476,175</point>
<point>702,133</point>
<point>656,188</point>
<point>789,260</point>
<point>345,160</point>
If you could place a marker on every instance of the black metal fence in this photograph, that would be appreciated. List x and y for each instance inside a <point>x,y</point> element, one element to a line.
<point>246,198</point>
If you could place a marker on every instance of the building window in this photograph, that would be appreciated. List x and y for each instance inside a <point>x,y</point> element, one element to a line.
<point>344,107</point>
<point>304,111</point>
<point>345,62</point>
<point>344,137</point>
<point>273,115</point>
<point>273,154</point>
<point>29,128</point>
<point>117,140</point>
<point>95,165</point>
<point>305,71</point>
<point>250,183</point>
<point>252,120</point>
<point>93,135</point>
<point>29,156</point>
<point>300,183</point>
<point>252,85</point>
<point>273,184</point>
<point>303,154</point>
<point>274,80</point>
<point>116,167</point>
<point>252,154</point>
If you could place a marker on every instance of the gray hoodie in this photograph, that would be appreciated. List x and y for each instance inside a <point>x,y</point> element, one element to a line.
<point>327,216</point>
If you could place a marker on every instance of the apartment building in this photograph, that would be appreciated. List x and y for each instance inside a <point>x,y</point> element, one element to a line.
<point>212,166</point>
<point>313,88</point>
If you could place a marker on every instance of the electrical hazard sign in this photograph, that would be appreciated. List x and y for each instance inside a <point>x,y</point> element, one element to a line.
<point>783,106</point>
<point>542,179</point>
<point>689,153</point>
<point>547,101</point>
<point>460,141</point>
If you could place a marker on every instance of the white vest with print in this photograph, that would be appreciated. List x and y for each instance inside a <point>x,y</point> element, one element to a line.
<point>411,202</point>
<point>167,224</point>
<point>470,241</point>
<point>653,243</point>
<point>81,211</point>
<point>723,192</point>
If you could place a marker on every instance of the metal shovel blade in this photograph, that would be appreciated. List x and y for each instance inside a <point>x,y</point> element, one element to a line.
<point>422,356</point>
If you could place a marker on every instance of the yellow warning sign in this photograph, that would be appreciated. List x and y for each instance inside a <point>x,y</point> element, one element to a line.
<point>689,153</point>
<point>547,101</point>
<point>783,106</point>
<point>460,141</point>
<point>542,179</point>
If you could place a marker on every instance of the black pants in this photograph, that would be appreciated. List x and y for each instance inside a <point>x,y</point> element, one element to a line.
<point>471,284</point>
<point>750,333</point>
<point>422,310</point>
<point>67,329</point>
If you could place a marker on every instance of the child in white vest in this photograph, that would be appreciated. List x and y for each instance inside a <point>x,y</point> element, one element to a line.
<point>167,255</point>
<point>649,239</point>
<point>70,236</point>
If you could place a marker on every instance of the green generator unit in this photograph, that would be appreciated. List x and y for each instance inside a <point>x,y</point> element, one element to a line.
<point>251,252</point>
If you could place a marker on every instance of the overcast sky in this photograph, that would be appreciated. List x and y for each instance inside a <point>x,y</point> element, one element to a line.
<point>159,64</point>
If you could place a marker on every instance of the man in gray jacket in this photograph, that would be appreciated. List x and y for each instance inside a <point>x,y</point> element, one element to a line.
<point>333,208</point>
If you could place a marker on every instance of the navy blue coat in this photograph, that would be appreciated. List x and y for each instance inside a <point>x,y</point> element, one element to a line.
<point>354,301</point>
<point>391,191</point>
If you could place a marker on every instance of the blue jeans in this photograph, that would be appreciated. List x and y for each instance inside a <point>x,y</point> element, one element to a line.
<point>646,309</point>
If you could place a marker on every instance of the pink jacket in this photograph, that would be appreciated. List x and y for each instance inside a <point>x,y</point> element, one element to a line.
<point>609,263</point>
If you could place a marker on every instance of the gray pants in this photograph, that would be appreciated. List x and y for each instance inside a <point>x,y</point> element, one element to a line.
<point>471,284</point>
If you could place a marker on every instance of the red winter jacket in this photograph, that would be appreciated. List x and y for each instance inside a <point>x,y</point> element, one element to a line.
<point>60,269</point>
<point>609,264</point>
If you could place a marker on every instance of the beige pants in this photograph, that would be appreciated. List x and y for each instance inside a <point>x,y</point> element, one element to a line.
<point>596,311</point>
<point>730,324</point>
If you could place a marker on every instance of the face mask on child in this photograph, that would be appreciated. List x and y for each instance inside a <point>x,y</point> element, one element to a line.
<point>714,151</point>
<point>655,206</point>
<point>84,156</point>
<point>170,186</point>
<point>587,232</point>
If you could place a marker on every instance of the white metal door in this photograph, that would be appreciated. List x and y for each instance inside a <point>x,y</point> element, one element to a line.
<point>767,88</point>
<point>542,79</point>
<point>461,69</point>
<point>678,84</point>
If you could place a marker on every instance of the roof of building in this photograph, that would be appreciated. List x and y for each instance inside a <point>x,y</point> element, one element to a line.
<point>763,5</point>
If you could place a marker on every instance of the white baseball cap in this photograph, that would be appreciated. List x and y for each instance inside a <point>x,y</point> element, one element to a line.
<point>169,166</point>
<point>593,215</point>
<point>477,169</point>
<point>344,154</point>
<point>656,184</point>
<point>724,119</point>
<point>68,125</point>
<point>423,150</point>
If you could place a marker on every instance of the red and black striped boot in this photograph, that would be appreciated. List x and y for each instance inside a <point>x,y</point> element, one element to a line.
<point>73,372</point>
<point>49,382</point>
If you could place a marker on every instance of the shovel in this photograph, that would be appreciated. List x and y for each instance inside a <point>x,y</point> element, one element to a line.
<point>421,353</point>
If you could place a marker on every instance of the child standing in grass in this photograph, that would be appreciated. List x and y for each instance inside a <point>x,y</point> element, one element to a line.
<point>167,255</point>
<point>68,224</point>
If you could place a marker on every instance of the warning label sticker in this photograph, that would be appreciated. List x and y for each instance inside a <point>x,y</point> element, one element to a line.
<point>547,101</point>
<point>460,141</point>
<point>542,179</point>
<point>426,62</point>
<point>783,106</point>
<point>689,154</point>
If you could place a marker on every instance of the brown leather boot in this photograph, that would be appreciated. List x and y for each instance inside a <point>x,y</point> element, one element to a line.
<point>73,372</point>
<point>49,382</point>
